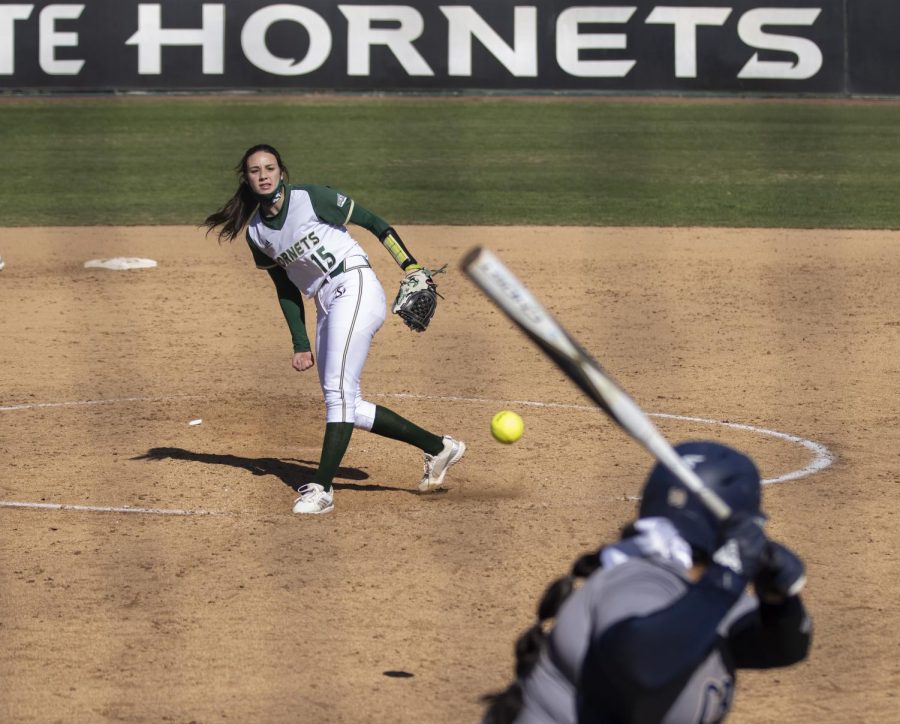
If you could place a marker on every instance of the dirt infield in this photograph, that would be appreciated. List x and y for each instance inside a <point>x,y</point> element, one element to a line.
<point>210,601</point>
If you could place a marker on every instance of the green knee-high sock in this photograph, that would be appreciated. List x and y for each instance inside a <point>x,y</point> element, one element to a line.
<point>389,424</point>
<point>337,437</point>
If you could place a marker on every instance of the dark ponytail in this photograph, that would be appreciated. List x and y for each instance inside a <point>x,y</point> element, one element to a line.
<point>504,707</point>
<point>236,212</point>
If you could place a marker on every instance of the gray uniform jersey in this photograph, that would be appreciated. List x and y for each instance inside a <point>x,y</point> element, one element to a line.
<point>637,587</point>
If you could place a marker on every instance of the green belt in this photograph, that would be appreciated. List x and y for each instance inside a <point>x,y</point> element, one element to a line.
<point>340,269</point>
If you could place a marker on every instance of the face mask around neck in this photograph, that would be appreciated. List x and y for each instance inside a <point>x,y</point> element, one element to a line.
<point>271,197</point>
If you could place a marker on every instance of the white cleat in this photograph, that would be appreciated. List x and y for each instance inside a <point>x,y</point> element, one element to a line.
<point>436,466</point>
<point>2,263</point>
<point>314,500</point>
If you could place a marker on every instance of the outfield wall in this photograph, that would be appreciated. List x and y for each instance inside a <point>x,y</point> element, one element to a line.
<point>792,47</point>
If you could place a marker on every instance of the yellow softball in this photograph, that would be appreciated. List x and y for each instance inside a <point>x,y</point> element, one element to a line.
<point>507,426</point>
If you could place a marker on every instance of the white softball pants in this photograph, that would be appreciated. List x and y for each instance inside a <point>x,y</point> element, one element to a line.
<point>350,309</point>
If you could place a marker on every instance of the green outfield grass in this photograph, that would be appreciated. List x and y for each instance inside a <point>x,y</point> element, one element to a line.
<point>480,161</point>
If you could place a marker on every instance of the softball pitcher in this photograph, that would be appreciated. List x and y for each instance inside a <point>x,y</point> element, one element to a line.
<point>298,234</point>
<point>664,617</point>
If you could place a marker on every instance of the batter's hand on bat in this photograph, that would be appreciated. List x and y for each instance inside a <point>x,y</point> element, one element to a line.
<point>740,558</point>
<point>303,361</point>
<point>781,576</point>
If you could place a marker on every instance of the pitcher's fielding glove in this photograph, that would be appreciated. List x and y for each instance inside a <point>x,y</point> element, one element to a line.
<point>416,301</point>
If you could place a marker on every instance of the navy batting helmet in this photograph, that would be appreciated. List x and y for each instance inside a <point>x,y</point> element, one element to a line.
<point>730,474</point>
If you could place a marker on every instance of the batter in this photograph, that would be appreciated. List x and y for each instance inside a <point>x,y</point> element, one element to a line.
<point>665,616</point>
<point>298,234</point>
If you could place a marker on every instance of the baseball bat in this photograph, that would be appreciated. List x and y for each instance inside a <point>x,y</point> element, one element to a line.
<point>503,288</point>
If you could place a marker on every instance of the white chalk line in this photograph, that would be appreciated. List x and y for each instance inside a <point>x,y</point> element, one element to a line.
<point>88,403</point>
<point>821,460</point>
<point>106,508</point>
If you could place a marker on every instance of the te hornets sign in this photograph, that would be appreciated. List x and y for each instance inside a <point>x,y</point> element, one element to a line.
<point>793,46</point>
